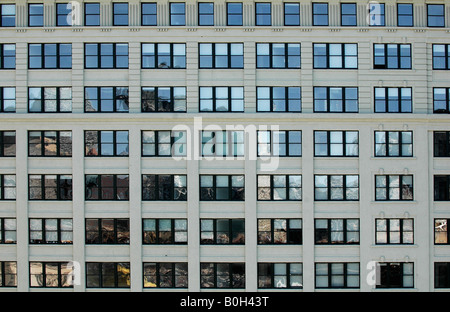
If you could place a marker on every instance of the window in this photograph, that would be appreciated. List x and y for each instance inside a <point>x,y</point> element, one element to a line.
<point>441,143</point>
<point>50,100</point>
<point>163,55</point>
<point>222,143</point>
<point>376,14</point>
<point>442,275</point>
<point>393,144</point>
<point>206,13</point>
<point>50,143</point>
<point>280,275</point>
<point>441,233</point>
<point>280,143</point>
<point>222,231</point>
<point>107,231</point>
<point>106,55</point>
<point>164,187</point>
<point>394,231</point>
<point>64,14</point>
<point>149,14</point>
<point>50,187</point>
<point>106,143</point>
<point>221,99</point>
<point>7,56</point>
<point>436,15</point>
<point>177,14</point>
<point>165,275</point>
<point>163,99</point>
<point>348,14</point>
<point>164,143</point>
<point>336,143</point>
<point>336,100</point>
<point>92,14</point>
<point>392,56</point>
<point>51,274</point>
<point>50,56</point>
<point>337,275</point>
<point>222,275</point>
<point>393,100</point>
<point>280,231</point>
<point>336,187</point>
<point>279,99</point>
<point>393,187</point>
<point>279,187</point>
<point>291,14</point>
<point>222,187</point>
<point>106,100</point>
<point>234,14</point>
<point>221,55</point>
<point>120,14</point>
<point>8,274</point>
<point>8,232</point>
<point>7,15</point>
<point>278,55</point>
<point>335,55</point>
<point>442,187</point>
<point>405,16</point>
<point>441,100</point>
<point>320,14</point>
<point>108,275</point>
<point>441,56</point>
<point>164,231</point>
<point>107,187</point>
<point>336,231</point>
<point>7,187</point>
<point>35,15</point>
<point>396,275</point>
<point>51,231</point>
<point>7,143</point>
<point>263,14</point>
<point>7,100</point>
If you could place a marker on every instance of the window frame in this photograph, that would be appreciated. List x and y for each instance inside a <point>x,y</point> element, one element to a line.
<point>373,16</point>
<point>314,14</point>
<point>446,56</point>
<point>203,14</point>
<point>287,99</point>
<point>441,275</point>
<point>272,187</point>
<point>229,14</point>
<point>389,233</point>
<point>429,5</point>
<point>240,190</point>
<point>275,142</point>
<point>399,14</point>
<point>115,100</point>
<point>157,56</point>
<point>58,14</point>
<point>58,188</point>
<point>158,240</point>
<point>215,56</point>
<point>157,98</point>
<point>2,15</point>
<point>387,101</point>
<point>402,187</point>
<point>342,15</point>
<point>230,100</point>
<point>8,274</point>
<point>441,149</point>
<point>58,100</point>
<point>289,277</point>
<point>63,280</point>
<point>388,271</point>
<point>157,188</point>
<point>343,56</point>
<point>86,14</point>
<point>99,277</point>
<point>3,100</point>
<point>4,144</point>
<point>344,188</point>
<point>273,55</point>
<point>441,193</point>
<point>98,237</point>
<point>3,187</point>
<point>43,230</point>
<point>30,15</point>
<point>172,14</point>
<point>115,8</point>
<point>115,57</point>
<point>163,275</point>
<point>4,57</point>
<point>173,143</point>
<point>319,232</point>
<point>329,275</point>
<point>269,237</point>
<point>58,56</point>
<point>329,143</point>
<point>285,14</point>
<point>58,144</point>
<point>264,14</point>
<point>388,144</point>
<point>231,146</point>
<point>114,188</point>
<point>441,223</point>
<point>386,56</point>
<point>143,14</point>
<point>5,229</point>
<point>99,143</point>
<point>234,280</point>
<point>216,237</point>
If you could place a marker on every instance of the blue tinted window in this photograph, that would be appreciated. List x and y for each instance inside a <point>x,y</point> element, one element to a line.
<point>120,14</point>
<point>263,14</point>
<point>234,14</point>
<point>92,14</point>
<point>436,15</point>
<point>35,15</point>
<point>405,15</point>
<point>376,14</point>
<point>206,14</point>
<point>177,14</point>
<point>63,14</point>
<point>348,14</point>
<point>149,17</point>
<point>320,14</point>
<point>292,14</point>
<point>8,15</point>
